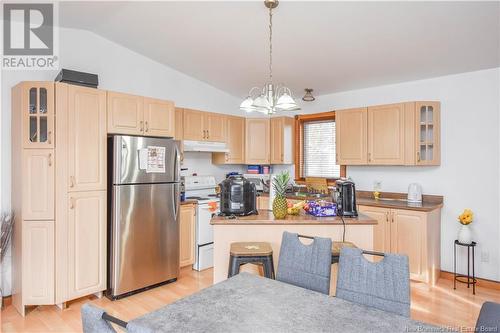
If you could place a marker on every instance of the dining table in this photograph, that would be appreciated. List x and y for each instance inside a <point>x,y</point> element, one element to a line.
<point>250,303</point>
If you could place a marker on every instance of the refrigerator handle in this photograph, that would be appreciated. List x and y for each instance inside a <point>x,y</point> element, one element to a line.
<point>176,200</point>
<point>177,169</point>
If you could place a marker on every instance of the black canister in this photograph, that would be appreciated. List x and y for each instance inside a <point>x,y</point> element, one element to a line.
<point>238,196</point>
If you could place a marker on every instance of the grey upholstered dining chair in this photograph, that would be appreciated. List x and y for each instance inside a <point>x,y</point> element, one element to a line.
<point>489,318</point>
<point>384,285</point>
<point>306,266</point>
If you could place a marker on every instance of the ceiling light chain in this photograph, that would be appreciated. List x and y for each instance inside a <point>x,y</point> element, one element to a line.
<point>270,98</point>
<point>271,44</point>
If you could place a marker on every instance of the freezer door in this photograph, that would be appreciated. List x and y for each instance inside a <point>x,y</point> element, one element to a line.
<point>145,236</point>
<point>134,161</point>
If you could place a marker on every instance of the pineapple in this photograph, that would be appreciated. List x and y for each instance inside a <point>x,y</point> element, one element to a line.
<point>280,205</point>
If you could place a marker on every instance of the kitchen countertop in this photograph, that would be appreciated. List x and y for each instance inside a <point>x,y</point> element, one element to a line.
<point>266,217</point>
<point>398,201</point>
<point>387,200</point>
<point>189,201</point>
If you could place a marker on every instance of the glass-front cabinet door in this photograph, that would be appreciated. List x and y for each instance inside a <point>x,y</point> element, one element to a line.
<point>38,118</point>
<point>428,133</point>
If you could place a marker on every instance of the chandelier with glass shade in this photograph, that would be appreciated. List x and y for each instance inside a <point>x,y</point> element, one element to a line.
<point>270,98</point>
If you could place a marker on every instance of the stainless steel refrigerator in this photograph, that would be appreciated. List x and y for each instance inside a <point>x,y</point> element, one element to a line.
<point>143,206</point>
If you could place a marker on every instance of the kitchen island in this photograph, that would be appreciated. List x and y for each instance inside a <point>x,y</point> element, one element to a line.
<point>264,227</point>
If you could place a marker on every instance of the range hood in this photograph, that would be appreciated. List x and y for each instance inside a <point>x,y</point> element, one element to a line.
<point>205,146</point>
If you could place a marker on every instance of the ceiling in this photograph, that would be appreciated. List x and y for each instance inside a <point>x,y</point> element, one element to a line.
<point>328,46</point>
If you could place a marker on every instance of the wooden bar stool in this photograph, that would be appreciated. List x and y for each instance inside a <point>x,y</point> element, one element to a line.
<point>336,247</point>
<point>251,252</point>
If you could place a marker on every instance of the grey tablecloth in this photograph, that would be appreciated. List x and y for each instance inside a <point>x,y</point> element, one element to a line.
<point>249,303</point>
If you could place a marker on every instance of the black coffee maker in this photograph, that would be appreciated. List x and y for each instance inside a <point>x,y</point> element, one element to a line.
<point>346,198</point>
<point>237,196</point>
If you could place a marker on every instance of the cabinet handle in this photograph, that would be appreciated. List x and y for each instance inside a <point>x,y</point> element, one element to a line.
<point>418,156</point>
<point>147,126</point>
<point>227,157</point>
<point>49,137</point>
<point>71,203</point>
<point>387,216</point>
<point>141,125</point>
<point>208,134</point>
<point>71,181</point>
<point>50,159</point>
<point>392,217</point>
<point>369,157</point>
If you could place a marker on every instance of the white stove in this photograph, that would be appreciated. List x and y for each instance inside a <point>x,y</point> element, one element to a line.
<point>202,189</point>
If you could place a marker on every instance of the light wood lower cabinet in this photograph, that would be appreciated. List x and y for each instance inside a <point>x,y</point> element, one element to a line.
<point>235,134</point>
<point>187,232</point>
<point>38,262</point>
<point>263,202</point>
<point>258,140</point>
<point>412,233</point>
<point>86,243</point>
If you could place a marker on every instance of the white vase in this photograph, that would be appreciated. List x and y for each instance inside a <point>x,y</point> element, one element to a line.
<point>465,234</point>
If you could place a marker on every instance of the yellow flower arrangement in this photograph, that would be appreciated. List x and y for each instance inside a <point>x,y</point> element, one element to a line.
<point>466,217</point>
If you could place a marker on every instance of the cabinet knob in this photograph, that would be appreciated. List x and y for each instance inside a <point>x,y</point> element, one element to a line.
<point>49,137</point>
<point>147,126</point>
<point>418,156</point>
<point>141,126</point>
<point>50,159</point>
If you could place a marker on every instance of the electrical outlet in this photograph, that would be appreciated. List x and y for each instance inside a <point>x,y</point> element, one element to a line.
<point>485,256</point>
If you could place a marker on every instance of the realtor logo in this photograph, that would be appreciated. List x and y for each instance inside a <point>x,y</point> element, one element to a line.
<point>28,36</point>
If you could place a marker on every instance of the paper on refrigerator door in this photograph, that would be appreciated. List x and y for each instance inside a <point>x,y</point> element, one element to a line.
<point>152,159</point>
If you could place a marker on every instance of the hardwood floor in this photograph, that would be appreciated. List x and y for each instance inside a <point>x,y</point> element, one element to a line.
<point>441,305</point>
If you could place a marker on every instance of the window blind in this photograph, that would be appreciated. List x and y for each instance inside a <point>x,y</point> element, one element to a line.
<point>319,150</point>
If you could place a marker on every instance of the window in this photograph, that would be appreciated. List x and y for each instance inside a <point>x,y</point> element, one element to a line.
<point>316,147</point>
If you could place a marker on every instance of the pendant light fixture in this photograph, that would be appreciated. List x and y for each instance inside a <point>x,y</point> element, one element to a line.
<point>271,97</point>
<point>308,97</point>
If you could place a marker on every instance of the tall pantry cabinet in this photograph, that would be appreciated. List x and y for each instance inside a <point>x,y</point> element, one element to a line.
<point>58,192</point>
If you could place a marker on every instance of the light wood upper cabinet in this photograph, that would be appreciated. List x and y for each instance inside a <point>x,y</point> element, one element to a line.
<point>38,264</point>
<point>282,134</point>
<point>38,184</point>
<point>428,134</point>
<point>204,126</point>
<point>215,125</point>
<point>179,124</point>
<point>235,134</point>
<point>194,127</point>
<point>159,117</point>
<point>187,234</point>
<point>137,115</point>
<point>407,232</point>
<point>386,134</point>
<point>125,114</point>
<point>394,134</point>
<point>351,136</point>
<point>37,107</point>
<point>86,243</point>
<point>257,143</point>
<point>86,138</point>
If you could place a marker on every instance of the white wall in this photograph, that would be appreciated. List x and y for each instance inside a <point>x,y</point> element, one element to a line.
<point>468,176</point>
<point>119,69</point>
